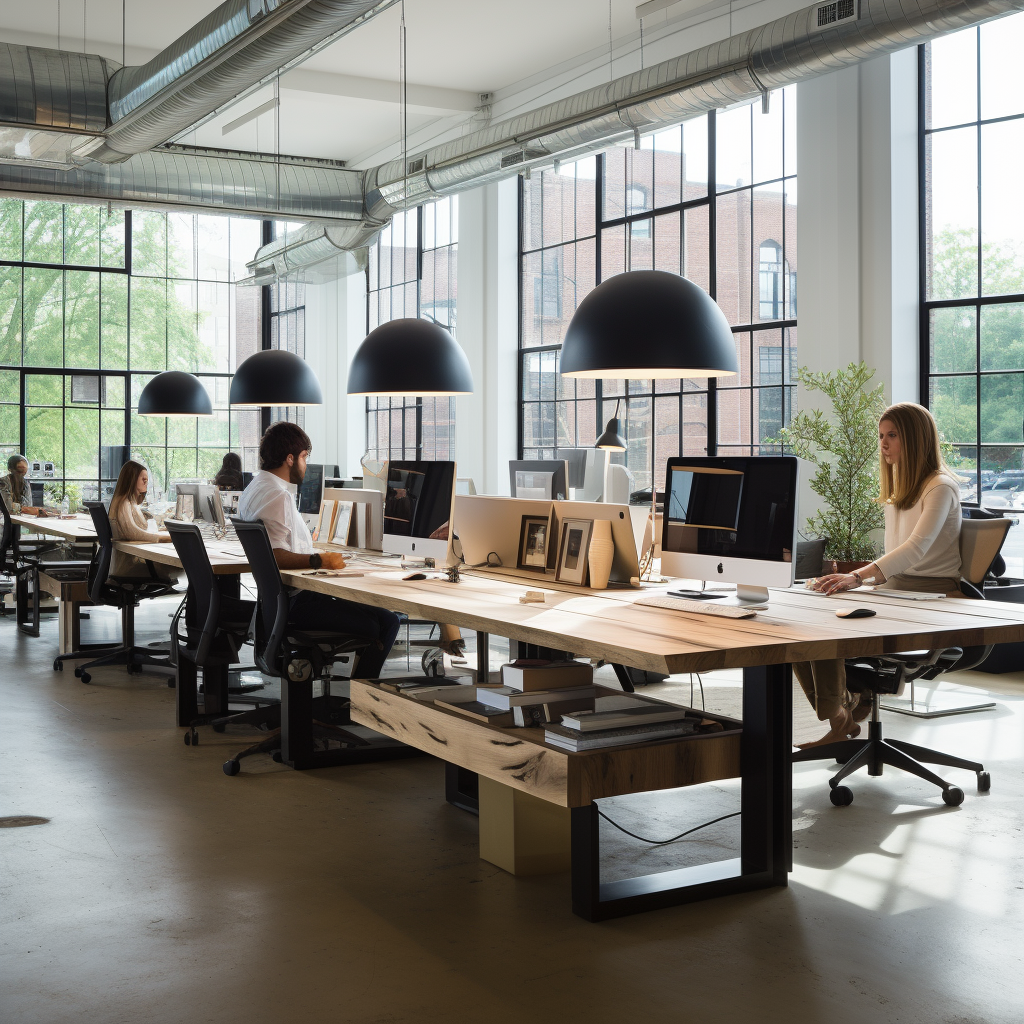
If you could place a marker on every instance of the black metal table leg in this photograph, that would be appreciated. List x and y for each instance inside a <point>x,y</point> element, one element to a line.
<point>483,658</point>
<point>766,826</point>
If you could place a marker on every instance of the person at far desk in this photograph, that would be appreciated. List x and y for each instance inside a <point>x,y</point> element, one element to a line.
<point>229,476</point>
<point>15,488</point>
<point>284,449</point>
<point>128,522</point>
<point>921,500</point>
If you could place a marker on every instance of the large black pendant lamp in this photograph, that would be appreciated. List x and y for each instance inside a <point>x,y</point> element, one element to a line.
<point>411,358</point>
<point>175,393</point>
<point>648,324</point>
<point>275,377</point>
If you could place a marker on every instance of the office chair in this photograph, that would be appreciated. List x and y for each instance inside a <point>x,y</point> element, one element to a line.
<point>980,541</point>
<point>296,658</point>
<point>123,592</point>
<point>216,627</point>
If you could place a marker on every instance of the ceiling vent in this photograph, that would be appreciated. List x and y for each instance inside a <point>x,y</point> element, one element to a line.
<point>826,15</point>
<point>513,158</point>
<point>415,166</point>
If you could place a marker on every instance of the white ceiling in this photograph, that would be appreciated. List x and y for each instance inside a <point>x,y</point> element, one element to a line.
<point>343,103</point>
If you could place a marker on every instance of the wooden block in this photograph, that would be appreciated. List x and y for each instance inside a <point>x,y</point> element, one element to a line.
<point>522,834</point>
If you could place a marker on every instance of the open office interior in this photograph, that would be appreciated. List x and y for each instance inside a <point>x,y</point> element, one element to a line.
<point>283,175</point>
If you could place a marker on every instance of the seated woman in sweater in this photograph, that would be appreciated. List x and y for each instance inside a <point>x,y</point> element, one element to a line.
<point>921,500</point>
<point>129,522</point>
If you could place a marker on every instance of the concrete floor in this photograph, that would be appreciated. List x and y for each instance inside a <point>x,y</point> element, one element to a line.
<point>163,891</point>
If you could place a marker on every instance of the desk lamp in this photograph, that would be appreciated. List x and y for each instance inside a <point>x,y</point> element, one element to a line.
<point>175,393</point>
<point>275,377</point>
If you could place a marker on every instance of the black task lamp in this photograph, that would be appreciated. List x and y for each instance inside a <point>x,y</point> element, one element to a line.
<point>275,377</point>
<point>648,324</point>
<point>612,440</point>
<point>175,393</point>
<point>410,358</point>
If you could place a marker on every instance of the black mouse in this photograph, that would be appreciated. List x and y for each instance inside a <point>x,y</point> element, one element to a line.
<point>421,576</point>
<point>856,613</point>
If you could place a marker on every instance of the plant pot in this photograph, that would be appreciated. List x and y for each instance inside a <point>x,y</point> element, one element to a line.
<point>844,567</point>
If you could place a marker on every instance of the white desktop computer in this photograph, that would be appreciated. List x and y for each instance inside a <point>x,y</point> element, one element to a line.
<point>418,508</point>
<point>731,520</point>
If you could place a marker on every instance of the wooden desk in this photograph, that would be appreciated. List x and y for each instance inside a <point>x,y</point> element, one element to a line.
<point>78,529</point>
<point>225,557</point>
<point>797,627</point>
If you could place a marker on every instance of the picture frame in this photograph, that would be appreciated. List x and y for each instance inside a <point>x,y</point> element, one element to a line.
<point>325,522</point>
<point>534,543</point>
<point>573,551</point>
<point>343,523</point>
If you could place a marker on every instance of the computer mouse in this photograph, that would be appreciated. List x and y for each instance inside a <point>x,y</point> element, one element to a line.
<point>856,613</point>
<point>422,576</point>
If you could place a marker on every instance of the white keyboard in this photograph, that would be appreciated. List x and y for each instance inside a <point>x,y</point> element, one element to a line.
<point>682,604</point>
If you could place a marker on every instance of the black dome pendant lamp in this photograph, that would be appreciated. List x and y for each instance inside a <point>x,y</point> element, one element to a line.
<point>648,324</point>
<point>175,393</point>
<point>275,377</point>
<point>612,439</point>
<point>412,358</point>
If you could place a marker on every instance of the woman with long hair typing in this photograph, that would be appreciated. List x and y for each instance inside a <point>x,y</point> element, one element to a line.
<point>921,500</point>
<point>128,522</point>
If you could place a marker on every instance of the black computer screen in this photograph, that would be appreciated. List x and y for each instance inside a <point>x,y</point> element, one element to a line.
<point>311,490</point>
<point>418,502</point>
<point>736,507</point>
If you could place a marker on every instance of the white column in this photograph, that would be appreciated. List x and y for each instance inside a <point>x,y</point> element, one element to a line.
<point>487,319</point>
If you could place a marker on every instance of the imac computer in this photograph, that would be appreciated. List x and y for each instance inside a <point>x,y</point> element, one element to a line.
<point>418,507</point>
<point>587,470</point>
<point>731,520</point>
<point>542,479</point>
<point>311,493</point>
<point>208,505</point>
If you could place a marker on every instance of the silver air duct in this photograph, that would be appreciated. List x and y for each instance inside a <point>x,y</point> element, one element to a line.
<point>237,46</point>
<point>815,41</point>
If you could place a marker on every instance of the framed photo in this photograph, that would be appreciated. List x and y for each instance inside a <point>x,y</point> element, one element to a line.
<point>573,550</point>
<point>343,523</point>
<point>533,543</point>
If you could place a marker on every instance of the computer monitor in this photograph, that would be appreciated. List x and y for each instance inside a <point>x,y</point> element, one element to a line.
<point>246,480</point>
<point>539,478</point>
<point>732,519</point>
<point>311,492</point>
<point>418,506</point>
<point>587,470</point>
<point>208,504</point>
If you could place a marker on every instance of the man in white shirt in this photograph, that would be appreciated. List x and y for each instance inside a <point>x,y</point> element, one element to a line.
<point>284,449</point>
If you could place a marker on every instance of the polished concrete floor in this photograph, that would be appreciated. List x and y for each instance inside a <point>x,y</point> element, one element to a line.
<point>163,891</point>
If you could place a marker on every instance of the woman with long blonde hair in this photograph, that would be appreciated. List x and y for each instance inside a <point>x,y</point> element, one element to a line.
<point>128,522</point>
<point>921,500</point>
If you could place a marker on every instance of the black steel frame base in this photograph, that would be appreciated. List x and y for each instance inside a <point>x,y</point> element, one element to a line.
<point>766,822</point>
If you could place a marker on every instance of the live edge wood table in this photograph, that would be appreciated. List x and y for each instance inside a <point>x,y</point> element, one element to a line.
<point>609,625</point>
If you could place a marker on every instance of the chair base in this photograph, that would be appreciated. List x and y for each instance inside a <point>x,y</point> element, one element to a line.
<point>875,752</point>
<point>135,659</point>
<point>931,708</point>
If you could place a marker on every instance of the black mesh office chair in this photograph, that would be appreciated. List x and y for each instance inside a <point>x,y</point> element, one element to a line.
<point>123,592</point>
<point>216,626</point>
<point>297,658</point>
<point>980,541</point>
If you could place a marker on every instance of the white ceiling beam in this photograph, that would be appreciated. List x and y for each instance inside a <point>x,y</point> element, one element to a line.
<point>426,98</point>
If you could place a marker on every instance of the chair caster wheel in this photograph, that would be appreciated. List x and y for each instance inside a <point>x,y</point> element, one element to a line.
<point>231,767</point>
<point>276,755</point>
<point>58,666</point>
<point>953,796</point>
<point>219,726</point>
<point>188,739</point>
<point>133,669</point>
<point>78,673</point>
<point>171,682</point>
<point>984,782</point>
<point>85,677</point>
<point>841,796</point>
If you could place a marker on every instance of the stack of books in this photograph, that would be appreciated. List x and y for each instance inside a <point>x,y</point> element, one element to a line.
<point>640,721</point>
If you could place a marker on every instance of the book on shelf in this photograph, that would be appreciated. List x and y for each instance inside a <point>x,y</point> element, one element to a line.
<point>572,739</point>
<point>479,712</point>
<point>592,721</point>
<point>533,675</point>
<point>506,698</point>
<point>405,684</point>
<point>534,715</point>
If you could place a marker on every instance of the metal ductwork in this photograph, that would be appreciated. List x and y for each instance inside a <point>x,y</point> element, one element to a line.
<point>793,49</point>
<point>297,252</point>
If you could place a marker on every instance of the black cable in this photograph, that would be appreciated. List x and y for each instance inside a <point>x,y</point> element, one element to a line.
<point>665,842</point>
<point>496,564</point>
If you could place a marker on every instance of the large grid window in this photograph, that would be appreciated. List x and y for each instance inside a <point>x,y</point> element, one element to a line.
<point>652,208</point>
<point>92,305</point>
<point>412,272</point>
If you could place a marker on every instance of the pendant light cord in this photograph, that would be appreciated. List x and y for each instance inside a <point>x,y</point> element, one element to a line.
<point>404,109</point>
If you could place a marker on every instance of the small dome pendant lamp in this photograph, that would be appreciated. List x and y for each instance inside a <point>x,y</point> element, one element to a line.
<point>410,358</point>
<point>175,393</point>
<point>275,377</point>
<point>648,324</point>
<point>612,439</point>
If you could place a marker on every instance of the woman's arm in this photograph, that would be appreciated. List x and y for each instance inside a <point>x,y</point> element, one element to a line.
<point>935,509</point>
<point>129,528</point>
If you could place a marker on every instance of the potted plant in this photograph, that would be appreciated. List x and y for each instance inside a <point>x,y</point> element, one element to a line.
<point>843,445</point>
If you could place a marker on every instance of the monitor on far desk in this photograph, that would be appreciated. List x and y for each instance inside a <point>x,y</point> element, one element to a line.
<point>732,520</point>
<point>311,493</point>
<point>418,509</point>
<point>542,479</point>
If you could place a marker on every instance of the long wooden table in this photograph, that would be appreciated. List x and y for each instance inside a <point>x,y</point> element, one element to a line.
<point>797,626</point>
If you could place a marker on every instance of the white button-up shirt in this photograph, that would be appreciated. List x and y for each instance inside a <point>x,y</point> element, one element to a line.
<point>268,498</point>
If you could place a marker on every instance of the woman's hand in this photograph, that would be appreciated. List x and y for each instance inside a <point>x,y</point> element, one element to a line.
<point>837,583</point>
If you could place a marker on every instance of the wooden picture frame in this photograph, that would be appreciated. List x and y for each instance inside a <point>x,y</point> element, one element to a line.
<point>343,522</point>
<point>533,543</point>
<point>573,549</point>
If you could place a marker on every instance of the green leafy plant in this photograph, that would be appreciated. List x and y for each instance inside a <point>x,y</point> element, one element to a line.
<point>843,445</point>
<point>56,493</point>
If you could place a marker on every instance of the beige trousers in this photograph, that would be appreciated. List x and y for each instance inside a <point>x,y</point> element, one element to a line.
<point>824,682</point>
